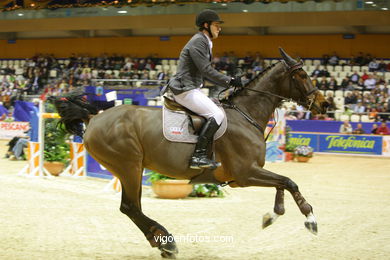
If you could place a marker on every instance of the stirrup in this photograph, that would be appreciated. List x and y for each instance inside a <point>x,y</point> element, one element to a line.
<point>203,163</point>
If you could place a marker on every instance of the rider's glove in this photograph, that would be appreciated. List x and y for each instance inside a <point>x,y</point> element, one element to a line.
<point>236,82</point>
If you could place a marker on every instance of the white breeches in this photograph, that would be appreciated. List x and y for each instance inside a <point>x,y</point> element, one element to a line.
<point>200,104</point>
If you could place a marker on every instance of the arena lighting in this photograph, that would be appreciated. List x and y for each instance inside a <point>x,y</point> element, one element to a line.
<point>20,14</point>
<point>245,11</point>
<point>369,2</point>
<point>122,12</point>
<point>384,8</point>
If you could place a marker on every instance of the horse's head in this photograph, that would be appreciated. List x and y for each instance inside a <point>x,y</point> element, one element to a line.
<point>300,88</point>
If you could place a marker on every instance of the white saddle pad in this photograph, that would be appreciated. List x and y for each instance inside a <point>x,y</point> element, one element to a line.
<point>177,127</point>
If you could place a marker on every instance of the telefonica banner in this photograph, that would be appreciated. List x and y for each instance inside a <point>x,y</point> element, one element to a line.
<point>339,143</point>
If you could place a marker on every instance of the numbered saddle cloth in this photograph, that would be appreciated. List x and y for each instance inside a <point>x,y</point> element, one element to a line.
<point>180,126</point>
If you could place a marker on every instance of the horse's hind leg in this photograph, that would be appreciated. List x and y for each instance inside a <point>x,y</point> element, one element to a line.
<point>279,210</point>
<point>131,180</point>
<point>261,177</point>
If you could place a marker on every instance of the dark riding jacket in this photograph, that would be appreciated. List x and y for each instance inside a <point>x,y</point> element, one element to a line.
<point>194,66</point>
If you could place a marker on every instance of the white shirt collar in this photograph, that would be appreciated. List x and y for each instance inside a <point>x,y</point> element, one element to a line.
<point>210,42</point>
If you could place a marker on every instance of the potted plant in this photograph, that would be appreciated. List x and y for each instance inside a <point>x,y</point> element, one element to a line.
<point>56,149</point>
<point>206,190</point>
<point>168,188</point>
<point>303,153</point>
<point>289,151</point>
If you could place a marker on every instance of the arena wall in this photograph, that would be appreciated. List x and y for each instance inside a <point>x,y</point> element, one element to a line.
<point>297,45</point>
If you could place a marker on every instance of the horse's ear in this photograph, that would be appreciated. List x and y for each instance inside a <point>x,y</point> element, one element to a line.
<point>290,61</point>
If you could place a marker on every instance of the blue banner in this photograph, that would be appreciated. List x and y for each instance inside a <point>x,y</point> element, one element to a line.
<point>305,139</point>
<point>137,95</point>
<point>339,143</point>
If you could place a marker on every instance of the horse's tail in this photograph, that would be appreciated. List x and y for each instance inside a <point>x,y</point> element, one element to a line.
<point>74,110</point>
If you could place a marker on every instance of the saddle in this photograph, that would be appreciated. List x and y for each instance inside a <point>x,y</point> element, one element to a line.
<point>195,120</point>
<point>182,125</point>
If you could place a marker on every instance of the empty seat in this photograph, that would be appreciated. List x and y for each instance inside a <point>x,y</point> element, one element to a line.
<point>158,68</point>
<point>164,62</point>
<point>365,118</point>
<point>172,62</point>
<point>355,118</point>
<point>308,62</point>
<point>356,68</point>
<point>316,62</point>
<point>347,68</point>
<point>344,117</point>
<point>337,114</point>
<point>338,68</point>
<point>165,68</point>
<point>338,93</point>
<point>330,68</point>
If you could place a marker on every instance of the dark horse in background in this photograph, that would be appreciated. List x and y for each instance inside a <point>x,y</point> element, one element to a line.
<point>128,138</point>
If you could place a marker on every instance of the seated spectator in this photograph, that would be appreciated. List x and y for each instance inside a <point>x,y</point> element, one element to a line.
<point>354,77</point>
<point>345,128</point>
<point>350,99</point>
<point>374,128</point>
<point>345,82</point>
<point>325,59</point>
<point>333,85</point>
<point>18,148</point>
<point>358,130</point>
<point>370,82</point>
<point>323,84</point>
<point>334,59</point>
<point>373,66</point>
<point>365,75</point>
<point>359,60</point>
<point>382,66</point>
<point>316,71</point>
<point>359,108</point>
<point>383,129</point>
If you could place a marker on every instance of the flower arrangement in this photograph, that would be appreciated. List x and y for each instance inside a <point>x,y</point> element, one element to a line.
<point>304,151</point>
<point>199,190</point>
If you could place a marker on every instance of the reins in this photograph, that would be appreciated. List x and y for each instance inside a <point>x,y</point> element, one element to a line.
<point>291,69</point>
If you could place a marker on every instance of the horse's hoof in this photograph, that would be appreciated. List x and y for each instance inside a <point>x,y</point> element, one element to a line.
<point>168,255</point>
<point>169,250</point>
<point>311,224</point>
<point>269,218</point>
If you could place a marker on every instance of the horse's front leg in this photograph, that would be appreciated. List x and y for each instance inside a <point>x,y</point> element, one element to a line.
<point>258,176</point>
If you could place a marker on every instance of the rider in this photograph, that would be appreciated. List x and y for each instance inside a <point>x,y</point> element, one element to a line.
<point>194,65</point>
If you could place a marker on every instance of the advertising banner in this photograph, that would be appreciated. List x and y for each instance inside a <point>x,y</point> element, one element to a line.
<point>9,130</point>
<point>344,144</point>
<point>357,144</point>
<point>276,138</point>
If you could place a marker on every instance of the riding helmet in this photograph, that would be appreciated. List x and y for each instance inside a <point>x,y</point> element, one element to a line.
<point>206,16</point>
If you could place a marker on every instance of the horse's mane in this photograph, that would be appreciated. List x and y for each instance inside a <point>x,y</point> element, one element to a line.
<point>253,81</point>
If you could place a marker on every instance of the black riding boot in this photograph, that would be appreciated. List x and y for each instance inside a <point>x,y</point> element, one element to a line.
<point>200,159</point>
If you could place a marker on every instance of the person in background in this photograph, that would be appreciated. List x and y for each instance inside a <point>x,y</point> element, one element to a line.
<point>383,129</point>
<point>345,128</point>
<point>358,130</point>
<point>374,128</point>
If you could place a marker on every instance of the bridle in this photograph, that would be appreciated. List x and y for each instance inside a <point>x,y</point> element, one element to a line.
<point>310,95</point>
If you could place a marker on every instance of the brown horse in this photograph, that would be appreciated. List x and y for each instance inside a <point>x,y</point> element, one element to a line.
<point>126,139</point>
